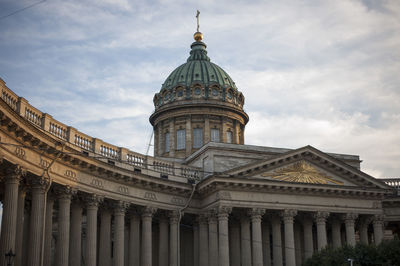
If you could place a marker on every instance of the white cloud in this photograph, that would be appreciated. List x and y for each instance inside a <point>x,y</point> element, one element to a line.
<point>323,73</point>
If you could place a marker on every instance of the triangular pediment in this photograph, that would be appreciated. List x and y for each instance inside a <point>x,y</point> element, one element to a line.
<point>303,172</point>
<point>307,165</point>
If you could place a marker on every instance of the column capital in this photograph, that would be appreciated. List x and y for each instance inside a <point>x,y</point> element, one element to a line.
<point>93,201</point>
<point>349,217</point>
<point>256,213</point>
<point>120,207</point>
<point>378,219</point>
<point>366,220</point>
<point>212,216</point>
<point>288,215</point>
<point>223,212</point>
<point>173,216</point>
<point>148,212</point>
<point>321,216</point>
<point>203,219</point>
<point>64,192</point>
<point>14,174</point>
<point>38,182</point>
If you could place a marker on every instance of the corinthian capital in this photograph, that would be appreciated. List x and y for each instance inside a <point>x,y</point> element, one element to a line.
<point>93,200</point>
<point>223,212</point>
<point>256,213</point>
<point>320,217</point>
<point>120,207</point>
<point>148,211</point>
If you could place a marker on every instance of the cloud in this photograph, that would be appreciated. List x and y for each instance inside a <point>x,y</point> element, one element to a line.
<point>323,73</point>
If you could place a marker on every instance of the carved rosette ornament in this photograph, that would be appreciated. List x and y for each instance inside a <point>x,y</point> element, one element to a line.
<point>320,217</point>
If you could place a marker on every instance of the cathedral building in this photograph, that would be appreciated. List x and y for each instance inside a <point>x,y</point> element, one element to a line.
<point>204,198</point>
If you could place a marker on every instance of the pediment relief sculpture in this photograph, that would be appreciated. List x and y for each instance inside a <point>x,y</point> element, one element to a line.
<point>301,172</point>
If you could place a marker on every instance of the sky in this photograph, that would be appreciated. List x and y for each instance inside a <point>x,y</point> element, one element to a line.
<point>319,73</point>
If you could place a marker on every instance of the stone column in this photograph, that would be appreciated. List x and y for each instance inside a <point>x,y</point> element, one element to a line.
<point>245,242</point>
<point>377,223</point>
<point>320,219</point>
<point>349,219</point>
<point>364,223</point>
<point>26,235</point>
<point>134,239</point>
<point>206,129</point>
<point>308,237</point>
<point>147,217</point>
<point>163,241</point>
<point>119,230</point>
<point>92,205</point>
<point>174,238</point>
<point>105,236</point>
<point>235,243</point>
<point>20,225</point>
<point>75,244</point>
<point>212,239</point>
<point>266,243</point>
<point>48,235</point>
<point>256,239</point>
<point>297,243</point>
<point>290,255</point>
<point>203,240</point>
<point>38,189</point>
<point>160,143</point>
<point>10,209</point>
<point>336,234</point>
<point>188,144</point>
<point>64,203</point>
<point>223,235</point>
<point>196,243</point>
<point>276,240</point>
<point>172,136</point>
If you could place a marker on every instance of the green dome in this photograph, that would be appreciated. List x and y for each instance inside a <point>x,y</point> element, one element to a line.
<point>198,70</point>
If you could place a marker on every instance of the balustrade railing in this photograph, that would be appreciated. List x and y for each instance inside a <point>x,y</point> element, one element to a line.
<point>88,143</point>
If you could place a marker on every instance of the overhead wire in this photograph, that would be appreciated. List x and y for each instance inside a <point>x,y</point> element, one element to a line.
<point>22,9</point>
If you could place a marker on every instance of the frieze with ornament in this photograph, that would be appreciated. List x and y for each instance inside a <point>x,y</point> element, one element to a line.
<point>302,172</point>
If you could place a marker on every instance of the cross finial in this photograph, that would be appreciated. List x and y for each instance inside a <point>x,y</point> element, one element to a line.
<point>197,16</point>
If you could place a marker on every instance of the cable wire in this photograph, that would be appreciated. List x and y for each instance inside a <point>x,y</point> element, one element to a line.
<point>22,9</point>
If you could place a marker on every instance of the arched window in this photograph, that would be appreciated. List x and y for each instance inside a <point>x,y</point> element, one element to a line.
<point>229,137</point>
<point>166,139</point>
<point>215,135</point>
<point>197,137</point>
<point>180,139</point>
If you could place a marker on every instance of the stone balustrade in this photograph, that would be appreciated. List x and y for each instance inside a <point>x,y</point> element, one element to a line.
<point>88,144</point>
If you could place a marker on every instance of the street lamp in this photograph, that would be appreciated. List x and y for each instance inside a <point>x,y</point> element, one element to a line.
<point>351,261</point>
<point>10,257</point>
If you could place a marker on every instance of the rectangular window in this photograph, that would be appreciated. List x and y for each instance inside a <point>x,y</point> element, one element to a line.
<point>215,134</point>
<point>180,139</point>
<point>229,136</point>
<point>166,139</point>
<point>197,137</point>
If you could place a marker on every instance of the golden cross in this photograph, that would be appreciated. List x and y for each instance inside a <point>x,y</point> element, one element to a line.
<point>197,16</point>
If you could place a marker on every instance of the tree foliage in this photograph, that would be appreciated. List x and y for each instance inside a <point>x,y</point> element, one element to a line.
<point>385,254</point>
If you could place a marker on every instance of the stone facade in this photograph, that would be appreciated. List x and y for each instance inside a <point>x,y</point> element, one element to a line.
<point>71,199</point>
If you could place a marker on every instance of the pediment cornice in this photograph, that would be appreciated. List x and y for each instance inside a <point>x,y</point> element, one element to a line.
<point>314,156</point>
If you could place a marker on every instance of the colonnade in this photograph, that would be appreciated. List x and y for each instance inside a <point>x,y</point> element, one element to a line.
<point>92,230</point>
